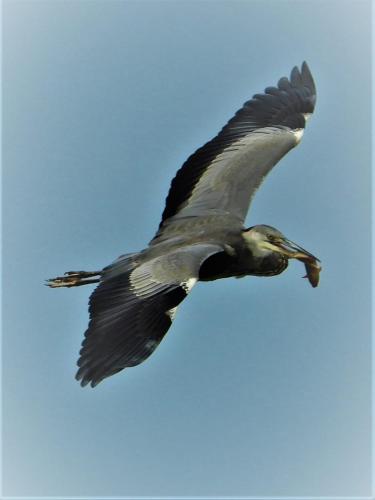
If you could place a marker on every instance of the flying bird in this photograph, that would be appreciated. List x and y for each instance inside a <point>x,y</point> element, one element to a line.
<point>201,236</point>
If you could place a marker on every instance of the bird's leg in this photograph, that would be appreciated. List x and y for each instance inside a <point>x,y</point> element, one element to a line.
<point>74,278</point>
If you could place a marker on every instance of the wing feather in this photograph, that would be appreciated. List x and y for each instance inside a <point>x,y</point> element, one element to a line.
<point>280,109</point>
<point>130,309</point>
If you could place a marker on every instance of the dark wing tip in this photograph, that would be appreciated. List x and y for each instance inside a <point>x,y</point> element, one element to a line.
<point>300,90</point>
<point>299,79</point>
<point>307,78</point>
<point>303,78</point>
<point>90,377</point>
<point>295,77</point>
<point>84,378</point>
<point>292,96</point>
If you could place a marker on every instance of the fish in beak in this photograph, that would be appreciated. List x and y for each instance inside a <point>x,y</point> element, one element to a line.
<point>294,251</point>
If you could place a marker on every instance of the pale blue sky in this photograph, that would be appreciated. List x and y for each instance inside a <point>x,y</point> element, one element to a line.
<point>262,386</point>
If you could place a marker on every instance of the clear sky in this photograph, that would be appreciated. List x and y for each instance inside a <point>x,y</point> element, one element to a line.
<point>262,385</point>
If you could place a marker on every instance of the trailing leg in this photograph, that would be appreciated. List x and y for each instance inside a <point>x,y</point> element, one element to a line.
<point>75,278</point>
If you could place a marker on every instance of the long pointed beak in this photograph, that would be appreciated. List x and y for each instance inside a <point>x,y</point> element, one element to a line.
<point>294,251</point>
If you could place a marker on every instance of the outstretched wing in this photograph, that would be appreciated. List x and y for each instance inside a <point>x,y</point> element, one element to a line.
<point>133,307</point>
<point>221,177</point>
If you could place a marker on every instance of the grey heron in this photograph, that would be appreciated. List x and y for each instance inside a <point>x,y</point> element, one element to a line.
<point>201,236</point>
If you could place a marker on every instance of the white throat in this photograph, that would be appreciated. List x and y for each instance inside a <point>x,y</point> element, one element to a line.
<point>256,243</point>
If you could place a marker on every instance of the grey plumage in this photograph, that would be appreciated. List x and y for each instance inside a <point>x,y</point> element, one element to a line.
<point>201,235</point>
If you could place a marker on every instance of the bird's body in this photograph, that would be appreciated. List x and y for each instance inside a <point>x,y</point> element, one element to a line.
<point>201,236</point>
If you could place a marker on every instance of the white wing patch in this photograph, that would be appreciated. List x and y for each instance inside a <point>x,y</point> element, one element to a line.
<point>298,133</point>
<point>188,285</point>
<point>171,313</point>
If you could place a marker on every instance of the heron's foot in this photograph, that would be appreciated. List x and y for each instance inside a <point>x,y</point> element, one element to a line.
<point>74,278</point>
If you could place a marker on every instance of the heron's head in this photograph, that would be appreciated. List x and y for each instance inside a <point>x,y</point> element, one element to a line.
<point>264,240</point>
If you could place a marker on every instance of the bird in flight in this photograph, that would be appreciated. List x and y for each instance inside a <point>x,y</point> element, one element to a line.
<point>201,236</point>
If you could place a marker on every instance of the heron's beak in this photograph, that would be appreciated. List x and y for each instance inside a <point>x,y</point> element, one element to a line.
<point>293,251</point>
